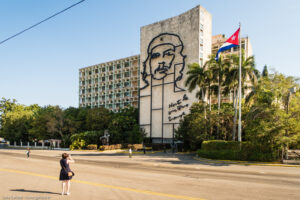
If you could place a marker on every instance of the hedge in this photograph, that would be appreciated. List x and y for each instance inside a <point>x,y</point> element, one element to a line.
<point>231,150</point>
<point>92,147</point>
<point>212,145</point>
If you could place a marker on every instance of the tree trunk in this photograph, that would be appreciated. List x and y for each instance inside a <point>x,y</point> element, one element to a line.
<point>235,116</point>
<point>219,105</point>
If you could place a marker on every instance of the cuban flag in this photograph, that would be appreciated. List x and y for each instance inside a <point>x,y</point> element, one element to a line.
<point>233,41</point>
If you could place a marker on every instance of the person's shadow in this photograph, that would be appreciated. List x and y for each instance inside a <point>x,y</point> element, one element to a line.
<point>34,191</point>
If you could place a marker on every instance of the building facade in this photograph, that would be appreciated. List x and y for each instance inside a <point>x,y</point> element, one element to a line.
<point>167,47</point>
<point>154,81</point>
<point>112,85</point>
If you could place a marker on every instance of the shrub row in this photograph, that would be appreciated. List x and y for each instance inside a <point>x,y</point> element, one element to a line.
<point>231,150</point>
<point>110,147</point>
<point>213,145</point>
<point>92,147</point>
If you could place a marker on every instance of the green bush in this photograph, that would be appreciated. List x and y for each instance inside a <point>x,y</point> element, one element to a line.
<point>92,147</point>
<point>90,137</point>
<point>220,145</point>
<point>231,150</point>
<point>78,144</point>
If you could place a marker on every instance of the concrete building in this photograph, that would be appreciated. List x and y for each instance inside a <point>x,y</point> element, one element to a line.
<point>154,81</point>
<point>167,47</point>
<point>113,85</point>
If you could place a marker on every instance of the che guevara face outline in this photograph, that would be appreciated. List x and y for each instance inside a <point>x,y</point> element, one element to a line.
<point>164,56</point>
<point>161,60</point>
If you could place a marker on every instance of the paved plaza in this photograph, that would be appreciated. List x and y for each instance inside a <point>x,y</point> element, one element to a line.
<point>152,176</point>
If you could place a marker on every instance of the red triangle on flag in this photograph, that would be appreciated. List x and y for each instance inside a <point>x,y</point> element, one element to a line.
<point>234,39</point>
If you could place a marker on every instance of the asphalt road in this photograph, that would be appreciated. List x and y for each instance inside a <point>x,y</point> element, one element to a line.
<point>118,177</point>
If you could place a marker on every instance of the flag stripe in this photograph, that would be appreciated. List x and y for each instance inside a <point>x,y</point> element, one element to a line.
<point>224,47</point>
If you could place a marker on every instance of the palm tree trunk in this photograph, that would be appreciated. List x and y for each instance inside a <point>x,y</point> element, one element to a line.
<point>219,105</point>
<point>209,94</point>
<point>210,129</point>
<point>235,116</point>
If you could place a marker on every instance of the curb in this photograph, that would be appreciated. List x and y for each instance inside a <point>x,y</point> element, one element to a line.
<point>237,162</point>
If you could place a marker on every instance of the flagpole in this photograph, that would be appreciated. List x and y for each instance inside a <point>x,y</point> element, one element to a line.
<point>240,90</point>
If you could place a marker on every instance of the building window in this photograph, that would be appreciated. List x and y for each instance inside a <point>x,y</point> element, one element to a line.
<point>82,91</point>
<point>126,64</point>
<point>110,87</point>
<point>103,88</point>
<point>118,66</point>
<point>103,78</point>
<point>243,46</point>
<point>201,26</point>
<point>118,95</point>
<point>83,82</point>
<point>103,98</point>
<point>126,94</point>
<point>127,84</point>
<point>96,71</point>
<point>90,72</point>
<point>111,77</point>
<point>103,69</point>
<point>127,74</point>
<point>118,76</point>
<point>111,68</point>
<point>110,96</point>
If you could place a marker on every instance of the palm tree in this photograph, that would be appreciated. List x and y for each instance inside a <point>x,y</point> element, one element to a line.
<point>209,77</point>
<point>249,78</point>
<point>218,69</point>
<point>196,78</point>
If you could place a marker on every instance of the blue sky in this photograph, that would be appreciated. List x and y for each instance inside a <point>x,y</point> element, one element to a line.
<point>41,66</point>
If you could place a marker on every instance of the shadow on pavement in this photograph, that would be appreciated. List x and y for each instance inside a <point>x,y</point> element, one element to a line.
<point>168,158</point>
<point>34,191</point>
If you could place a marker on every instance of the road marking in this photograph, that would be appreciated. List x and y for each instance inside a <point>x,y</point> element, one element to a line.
<point>106,186</point>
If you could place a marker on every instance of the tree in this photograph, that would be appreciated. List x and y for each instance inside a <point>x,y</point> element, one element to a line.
<point>265,72</point>
<point>268,124</point>
<point>16,120</point>
<point>249,78</point>
<point>124,127</point>
<point>97,119</point>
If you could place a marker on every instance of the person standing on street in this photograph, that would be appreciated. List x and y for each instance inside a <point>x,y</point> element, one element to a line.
<point>130,152</point>
<point>28,152</point>
<point>66,173</point>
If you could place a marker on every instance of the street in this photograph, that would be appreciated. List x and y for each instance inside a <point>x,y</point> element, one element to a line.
<point>115,176</point>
